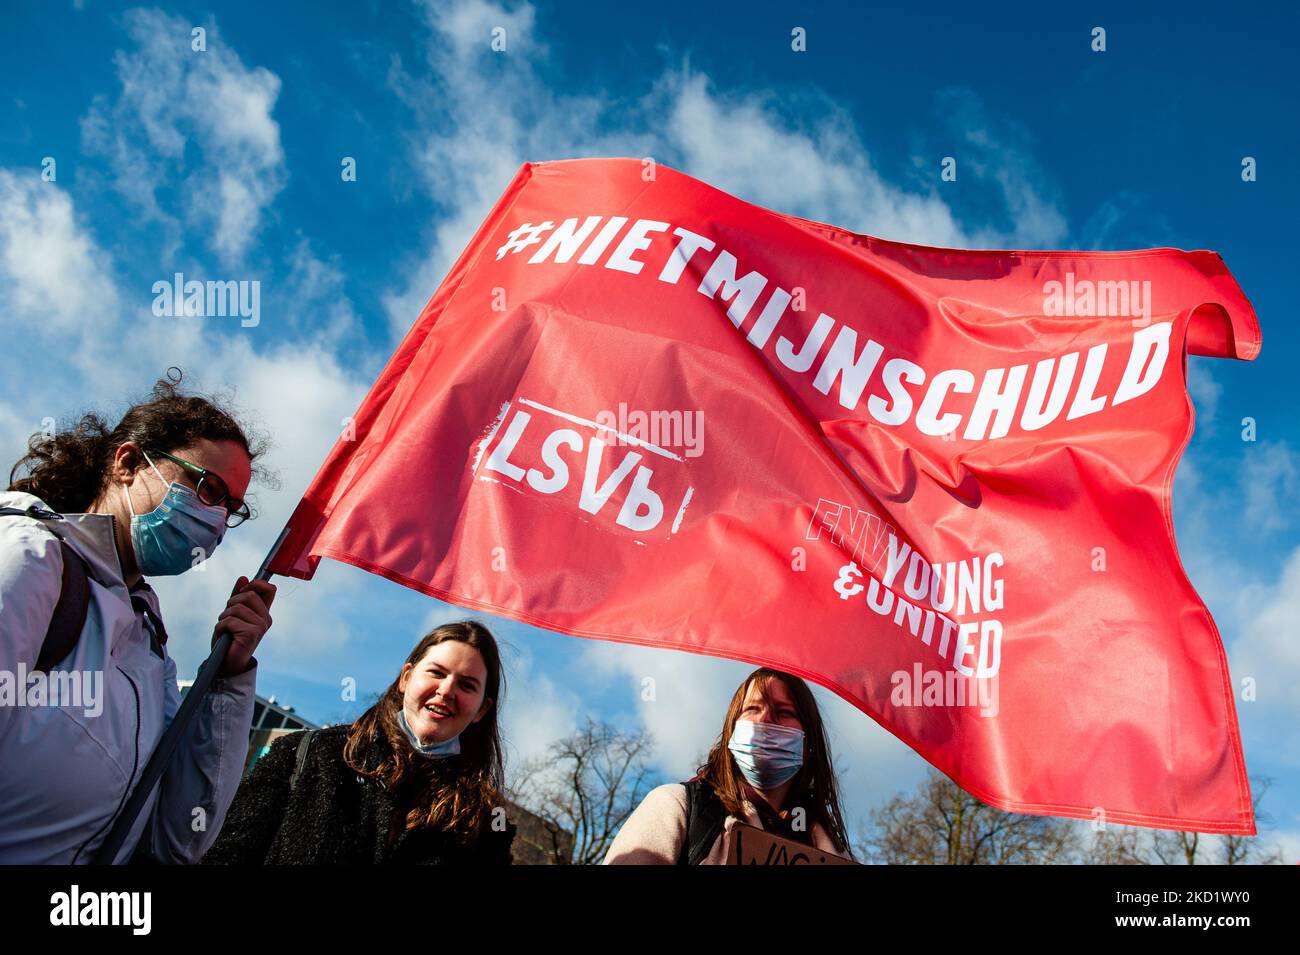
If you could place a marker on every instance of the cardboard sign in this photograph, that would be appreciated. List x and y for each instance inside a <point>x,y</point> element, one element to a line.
<point>746,845</point>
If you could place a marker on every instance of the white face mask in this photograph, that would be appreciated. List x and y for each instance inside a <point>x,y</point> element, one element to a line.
<point>433,750</point>
<point>767,754</point>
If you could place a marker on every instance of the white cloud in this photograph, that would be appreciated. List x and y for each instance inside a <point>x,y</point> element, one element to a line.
<point>58,292</point>
<point>1205,392</point>
<point>322,311</point>
<point>1229,513</point>
<point>808,160</point>
<point>196,122</point>
<point>537,710</point>
<point>1000,153</point>
<point>481,115</point>
<point>690,696</point>
<point>465,27</point>
<point>1267,647</point>
<point>485,113</point>
<point>1270,485</point>
<point>742,144</point>
<point>52,273</point>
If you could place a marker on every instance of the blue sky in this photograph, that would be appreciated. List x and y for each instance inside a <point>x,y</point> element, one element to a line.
<point>225,164</point>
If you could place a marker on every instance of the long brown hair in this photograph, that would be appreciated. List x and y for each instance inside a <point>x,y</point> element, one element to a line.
<point>814,787</point>
<point>70,469</point>
<point>457,793</point>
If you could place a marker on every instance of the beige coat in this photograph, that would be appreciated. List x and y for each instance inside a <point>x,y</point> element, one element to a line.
<point>654,833</point>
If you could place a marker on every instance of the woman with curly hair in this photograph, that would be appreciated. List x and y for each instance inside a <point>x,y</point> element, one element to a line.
<point>87,685</point>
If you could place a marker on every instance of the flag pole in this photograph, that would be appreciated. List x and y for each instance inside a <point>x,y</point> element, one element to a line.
<point>153,771</point>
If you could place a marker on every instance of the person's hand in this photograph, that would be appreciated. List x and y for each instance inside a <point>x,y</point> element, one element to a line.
<point>247,617</point>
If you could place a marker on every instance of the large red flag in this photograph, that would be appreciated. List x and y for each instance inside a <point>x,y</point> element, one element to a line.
<point>935,481</point>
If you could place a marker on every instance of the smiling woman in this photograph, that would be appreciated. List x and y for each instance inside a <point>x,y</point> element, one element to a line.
<point>417,778</point>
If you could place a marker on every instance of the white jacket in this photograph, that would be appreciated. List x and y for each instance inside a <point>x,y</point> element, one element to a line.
<point>66,771</point>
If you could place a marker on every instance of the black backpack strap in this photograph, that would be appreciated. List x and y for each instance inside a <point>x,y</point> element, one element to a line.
<point>304,744</point>
<point>70,610</point>
<point>153,624</point>
<point>69,615</point>
<point>705,816</point>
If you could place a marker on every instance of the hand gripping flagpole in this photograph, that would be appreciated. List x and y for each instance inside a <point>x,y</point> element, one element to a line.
<point>153,770</point>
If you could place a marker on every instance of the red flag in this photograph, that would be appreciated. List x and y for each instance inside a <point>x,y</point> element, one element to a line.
<point>935,481</point>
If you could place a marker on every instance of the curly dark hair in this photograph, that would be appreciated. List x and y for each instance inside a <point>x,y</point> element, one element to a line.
<point>70,470</point>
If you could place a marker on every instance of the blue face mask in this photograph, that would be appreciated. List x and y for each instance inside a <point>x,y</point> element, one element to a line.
<point>767,754</point>
<point>433,750</point>
<point>165,539</point>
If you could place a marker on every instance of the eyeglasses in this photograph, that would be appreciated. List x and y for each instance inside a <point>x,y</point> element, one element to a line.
<point>212,490</point>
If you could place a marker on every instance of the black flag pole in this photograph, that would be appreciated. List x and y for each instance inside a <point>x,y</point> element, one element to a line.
<point>171,738</point>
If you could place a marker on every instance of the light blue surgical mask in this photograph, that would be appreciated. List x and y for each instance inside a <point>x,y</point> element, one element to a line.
<point>433,750</point>
<point>165,539</point>
<point>767,754</point>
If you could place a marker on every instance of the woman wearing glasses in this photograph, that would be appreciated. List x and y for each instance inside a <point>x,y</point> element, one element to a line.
<point>90,514</point>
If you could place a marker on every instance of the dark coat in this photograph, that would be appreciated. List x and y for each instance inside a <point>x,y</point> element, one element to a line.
<point>334,815</point>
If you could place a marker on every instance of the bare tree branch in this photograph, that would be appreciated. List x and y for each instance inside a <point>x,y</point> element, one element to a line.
<point>587,784</point>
